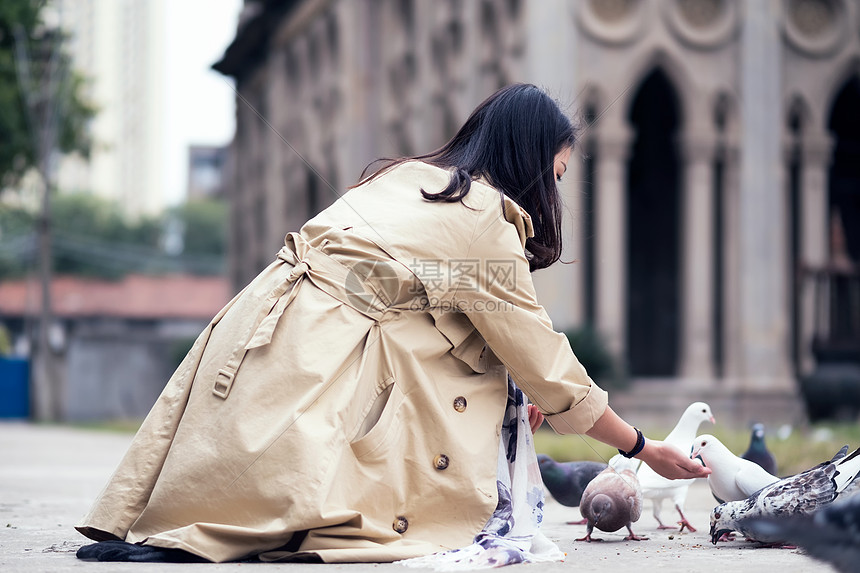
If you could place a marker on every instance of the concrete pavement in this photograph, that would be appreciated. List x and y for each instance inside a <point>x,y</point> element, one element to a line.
<point>50,474</point>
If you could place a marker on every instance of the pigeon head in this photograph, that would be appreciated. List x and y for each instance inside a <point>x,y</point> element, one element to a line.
<point>547,465</point>
<point>601,506</point>
<point>699,412</point>
<point>758,432</point>
<point>719,523</point>
<point>707,447</point>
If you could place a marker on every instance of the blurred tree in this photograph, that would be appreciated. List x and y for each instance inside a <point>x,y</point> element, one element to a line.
<point>204,223</point>
<point>17,241</point>
<point>19,150</point>
<point>594,355</point>
<point>93,238</point>
<point>5,341</point>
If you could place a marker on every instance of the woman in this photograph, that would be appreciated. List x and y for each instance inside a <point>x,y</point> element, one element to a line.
<point>348,404</point>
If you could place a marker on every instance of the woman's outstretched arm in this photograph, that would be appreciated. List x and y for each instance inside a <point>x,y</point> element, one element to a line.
<point>663,459</point>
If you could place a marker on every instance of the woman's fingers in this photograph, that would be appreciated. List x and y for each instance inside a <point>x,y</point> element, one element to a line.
<point>535,418</point>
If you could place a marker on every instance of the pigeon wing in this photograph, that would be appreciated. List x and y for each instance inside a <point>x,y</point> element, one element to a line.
<point>801,494</point>
<point>831,534</point>
<point>752,478</point>
<point>634,497</point>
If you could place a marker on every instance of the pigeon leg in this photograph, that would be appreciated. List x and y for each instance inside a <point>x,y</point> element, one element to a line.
<point>657,503</point>
<point>684,523</point>
<point>588,536</point>
<point>580,522</point>
<point>633,536</point>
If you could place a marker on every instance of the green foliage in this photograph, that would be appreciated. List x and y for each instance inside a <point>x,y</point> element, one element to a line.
<point>91,237</point>
<point>571,447</point>
<point>17,240</point>
<point>179,348</point>
<point>593,353</point>
<point>62,93</point>
<point>205,226</point>
<point>5,341</point>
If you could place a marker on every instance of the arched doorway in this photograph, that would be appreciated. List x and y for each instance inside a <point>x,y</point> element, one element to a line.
<point>653,226</point>
<point>844,199</point>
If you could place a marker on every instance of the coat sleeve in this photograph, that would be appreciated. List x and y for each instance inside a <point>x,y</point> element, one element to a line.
<point>497,294</point>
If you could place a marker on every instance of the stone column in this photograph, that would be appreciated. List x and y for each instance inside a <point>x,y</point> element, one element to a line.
<point>551,47</point>
<point>426,87</point>
<point>816,153</point>
<point>763,273</point>
<point>696,344</point>
<point>613,148</point>
<point>731,264</point>
<point>359,83</point>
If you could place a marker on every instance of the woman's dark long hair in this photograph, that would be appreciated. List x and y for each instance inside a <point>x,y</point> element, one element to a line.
<point>511,139</point>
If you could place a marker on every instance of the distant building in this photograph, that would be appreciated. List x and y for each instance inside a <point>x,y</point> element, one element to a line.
<point>119,46</point>
<point>117,342</point>
<point>206,165</point>
<point>717,182</point>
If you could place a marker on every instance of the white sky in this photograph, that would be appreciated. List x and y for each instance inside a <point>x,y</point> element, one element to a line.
<point>199,105</point>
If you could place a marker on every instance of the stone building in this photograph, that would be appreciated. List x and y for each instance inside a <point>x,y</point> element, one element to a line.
<point>715,206</point>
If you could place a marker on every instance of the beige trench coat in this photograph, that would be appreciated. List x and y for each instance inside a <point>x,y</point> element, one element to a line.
<point>348,402</point>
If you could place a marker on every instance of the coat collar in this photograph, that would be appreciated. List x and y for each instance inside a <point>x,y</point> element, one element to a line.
<point>520,219</point>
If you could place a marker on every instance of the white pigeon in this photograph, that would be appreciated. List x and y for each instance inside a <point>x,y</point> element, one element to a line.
<point>657,488</point>
<point>732,478</point>
<point>619,463</point>
<point>800,494</point>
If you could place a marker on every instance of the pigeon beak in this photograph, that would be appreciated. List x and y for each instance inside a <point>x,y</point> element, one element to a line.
<point>695,454</point>
<point>713,421</point>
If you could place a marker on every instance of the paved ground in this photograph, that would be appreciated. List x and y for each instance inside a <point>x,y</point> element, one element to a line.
<point>50,475</point>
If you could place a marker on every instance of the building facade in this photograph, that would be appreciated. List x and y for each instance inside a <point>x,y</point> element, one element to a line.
<point>119,46</point>
<point>207,165</point>
<point>715,204</point>
<point>114,344</point>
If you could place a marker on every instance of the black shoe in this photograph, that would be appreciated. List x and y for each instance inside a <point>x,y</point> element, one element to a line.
<point>124,551</point>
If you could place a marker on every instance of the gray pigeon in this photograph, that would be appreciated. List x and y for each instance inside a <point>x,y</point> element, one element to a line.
<point>831,533</point>
<point>611,501</point>
<point>757,451</point>
<point>801,494</point>
<point>566,481</point>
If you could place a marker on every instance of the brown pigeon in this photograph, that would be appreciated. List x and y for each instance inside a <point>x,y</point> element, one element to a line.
<point>612,500</point>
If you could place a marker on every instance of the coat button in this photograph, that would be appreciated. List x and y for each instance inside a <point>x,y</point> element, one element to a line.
<point>460,403</point>
<point>400,524</point>
<point>440,462</point>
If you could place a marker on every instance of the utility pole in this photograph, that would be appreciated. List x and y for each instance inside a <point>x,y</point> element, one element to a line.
<point>44,103</point>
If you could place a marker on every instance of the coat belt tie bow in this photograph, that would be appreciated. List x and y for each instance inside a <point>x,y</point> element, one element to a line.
<point>326,273</point>
<point>264,332</point>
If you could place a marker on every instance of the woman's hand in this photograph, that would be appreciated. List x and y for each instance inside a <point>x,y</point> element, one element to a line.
<point>669,462</point>
<point>535,418</point>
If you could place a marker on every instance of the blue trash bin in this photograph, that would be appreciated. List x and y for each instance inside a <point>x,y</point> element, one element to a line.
<point>14,388</point>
